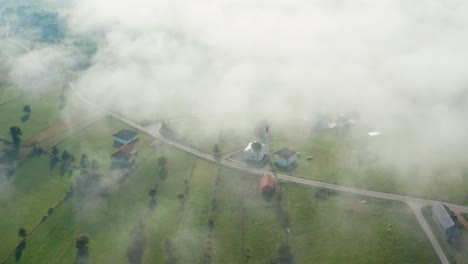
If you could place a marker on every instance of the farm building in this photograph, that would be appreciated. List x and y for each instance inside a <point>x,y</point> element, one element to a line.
<point>125,155</point>
<point>256,151</point>
<point>446,220</point>
<point>125,136</point>
<point>267,183</point>
<point>285,157</point>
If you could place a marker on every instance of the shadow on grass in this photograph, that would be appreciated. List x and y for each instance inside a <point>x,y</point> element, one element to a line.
<point>289,168</point>
<point>19,249</point>
<point>53,163</point>
<point>82,256</point>
<point>267,195</point>
<point>152,204</point>
<point>25,118</point>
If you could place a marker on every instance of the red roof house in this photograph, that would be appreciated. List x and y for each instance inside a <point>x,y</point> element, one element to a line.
<point>125,155</point>
<point>267,183</point>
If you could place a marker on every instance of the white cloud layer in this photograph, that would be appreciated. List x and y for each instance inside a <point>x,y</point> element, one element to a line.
<point>400,64</point>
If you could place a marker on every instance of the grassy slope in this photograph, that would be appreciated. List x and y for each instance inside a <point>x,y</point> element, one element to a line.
<point>342,230</point>
<point>44,113</point>
<point>322,231</point>
<point>8,92</point>
<point>335,162</point>
<point>111,222</point>
<point>244,221</point>
<point>27,197</point>
<point>193,229</point>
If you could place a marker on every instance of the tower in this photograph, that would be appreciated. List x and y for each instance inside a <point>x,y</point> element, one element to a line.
<point>267,140</point>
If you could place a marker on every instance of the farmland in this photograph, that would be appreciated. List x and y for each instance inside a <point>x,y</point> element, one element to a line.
<point>246,225</point>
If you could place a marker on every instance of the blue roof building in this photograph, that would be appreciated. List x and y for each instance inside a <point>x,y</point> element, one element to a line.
<point>446,220</point>
<point>125,136</point>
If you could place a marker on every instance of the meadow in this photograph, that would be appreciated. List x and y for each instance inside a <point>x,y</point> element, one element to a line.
<point>201,212</point>
<point>44,111</point>
<point>336,159</point>
<point>247,226</point>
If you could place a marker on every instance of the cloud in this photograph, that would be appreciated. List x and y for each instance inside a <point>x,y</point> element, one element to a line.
<point>400,65</point>
<point>40,68</point>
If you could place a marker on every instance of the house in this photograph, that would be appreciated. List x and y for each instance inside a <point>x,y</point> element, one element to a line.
<point>125,155</point>
<point>125,136</point>
<point>256,151</point>
<point>285,157</point>
<point>267,184</point>
<point>447,222</point>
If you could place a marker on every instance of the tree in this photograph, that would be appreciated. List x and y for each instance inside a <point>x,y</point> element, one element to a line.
<point>27,109</point>
<point>66,156</point>
<point>181,196</point>
<point>22,232</point>
<point>82,242</point>
<point>15,135</point>
<point>55,151</point>
<point>162,161</point>
<point>50,211</point>
<point>84,162</point>
<point>152,192</point>
<point>216,149</point>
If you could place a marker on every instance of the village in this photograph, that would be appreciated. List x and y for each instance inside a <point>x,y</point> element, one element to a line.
<point>257,154</point>
<point>243,133</point>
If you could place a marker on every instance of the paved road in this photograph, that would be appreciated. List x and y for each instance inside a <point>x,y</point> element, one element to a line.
<point>415,203</point>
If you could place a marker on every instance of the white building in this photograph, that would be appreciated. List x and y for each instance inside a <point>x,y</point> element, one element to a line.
<point>256,151</point>
<point>285,157</point>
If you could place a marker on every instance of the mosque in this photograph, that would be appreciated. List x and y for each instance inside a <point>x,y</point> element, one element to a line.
<point>256,151</point>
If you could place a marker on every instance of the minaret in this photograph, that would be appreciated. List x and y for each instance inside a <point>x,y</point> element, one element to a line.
<point>267,140</point>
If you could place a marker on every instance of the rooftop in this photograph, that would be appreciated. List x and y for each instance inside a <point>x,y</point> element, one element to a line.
<point>125,134</point>
<point>443,216</point>
<point>125,151</point>
<point>285,153</point>
<point>267,180</point>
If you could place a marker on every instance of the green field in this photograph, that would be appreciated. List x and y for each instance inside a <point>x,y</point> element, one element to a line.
<point>109,219</point>
<point>341,229</point>
<point>246,226</point>
<point>44,112</point>
<point>8,92</point>
<point>25,198</point>
<point>336,160</point>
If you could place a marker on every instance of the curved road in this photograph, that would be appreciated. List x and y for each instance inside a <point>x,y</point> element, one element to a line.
<point>415,203</point>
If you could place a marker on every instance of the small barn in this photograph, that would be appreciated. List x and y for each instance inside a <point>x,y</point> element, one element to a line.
<point>125,136</point>
<point>267,184</point>
<point>447,222</point>
<point>125,155</point>
<point>285,157</point>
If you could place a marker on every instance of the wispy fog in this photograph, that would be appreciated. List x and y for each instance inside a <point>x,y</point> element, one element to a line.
<point>401,65</point>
